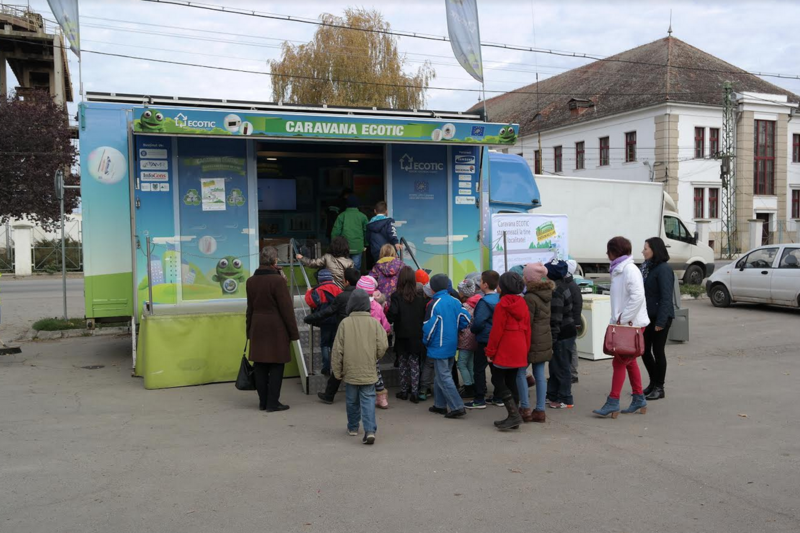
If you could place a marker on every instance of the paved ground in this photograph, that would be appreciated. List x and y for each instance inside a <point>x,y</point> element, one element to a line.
<point>91,451</point>
<point>27,300</point>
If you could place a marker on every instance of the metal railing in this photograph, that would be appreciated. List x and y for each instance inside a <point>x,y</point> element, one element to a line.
<point>6,248</point>
<point>295,251</point>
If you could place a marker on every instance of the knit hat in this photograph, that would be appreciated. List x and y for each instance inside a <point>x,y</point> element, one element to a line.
<point>358,301</point>
<point>367,284</point>
<point>572,266</point>
<point>440,282</point>
<point>518,269</point>
<point>467,288</point>
<point>422,276</point>
<point>556,270</point>
<point>353,201</point>
<point>474,276</point>
<point>324,275</point>
<point>511,283</point>
<point>534,272</point>
<point>427,291</point>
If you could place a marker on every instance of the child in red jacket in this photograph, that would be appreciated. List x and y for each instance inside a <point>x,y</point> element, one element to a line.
<point>508,346</point>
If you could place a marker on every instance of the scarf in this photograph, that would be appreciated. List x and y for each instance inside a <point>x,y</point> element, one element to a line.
<point>616,262</point>
<point>646,269</point>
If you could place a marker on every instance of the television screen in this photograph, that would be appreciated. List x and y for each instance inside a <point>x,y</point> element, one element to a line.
<point>277,195</point>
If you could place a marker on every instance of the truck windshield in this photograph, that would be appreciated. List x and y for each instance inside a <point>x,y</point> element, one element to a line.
<point>512,181</point>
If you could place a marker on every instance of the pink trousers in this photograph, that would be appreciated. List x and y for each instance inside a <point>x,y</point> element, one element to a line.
<point>621,366</point>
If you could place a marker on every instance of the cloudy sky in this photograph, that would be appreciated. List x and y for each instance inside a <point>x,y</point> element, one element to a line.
<point>744,34</point>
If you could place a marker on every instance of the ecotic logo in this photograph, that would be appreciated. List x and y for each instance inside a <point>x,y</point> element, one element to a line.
<point>182,121</point>
<point>408,164</point>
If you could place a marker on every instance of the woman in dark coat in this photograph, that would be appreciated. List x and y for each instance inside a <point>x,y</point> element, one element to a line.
<point>659,287</point>
<point>271,327</point>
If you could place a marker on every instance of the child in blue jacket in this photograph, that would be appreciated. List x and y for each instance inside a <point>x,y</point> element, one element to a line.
<point>482,327</point>
<point>444,318</point>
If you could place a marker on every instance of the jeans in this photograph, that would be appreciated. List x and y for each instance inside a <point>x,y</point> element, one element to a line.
<point>573,365</point>
<point>361,407</point>
<point>327,334</point>
<point>559,386</point>
<point>356,261</point>
<point>269,378</point>
<point>505,383</point>
<point>445,393</point>
<point>479,364</point>
<point>621,365</point>
<point>541,389</point>
<point>465,366</point>
<point>426,374</point>
<point>654,358</point>
<point>522,388</point>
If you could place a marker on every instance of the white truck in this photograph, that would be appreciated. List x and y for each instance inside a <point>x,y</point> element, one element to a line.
<point>599,209</point>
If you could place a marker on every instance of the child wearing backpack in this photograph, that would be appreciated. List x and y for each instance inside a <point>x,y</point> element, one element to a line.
<point>318,298</point>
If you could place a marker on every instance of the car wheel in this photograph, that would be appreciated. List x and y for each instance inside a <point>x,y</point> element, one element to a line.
<point>694,275</point>
<point>719,296</point>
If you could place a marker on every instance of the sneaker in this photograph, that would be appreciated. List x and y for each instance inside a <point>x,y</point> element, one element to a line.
<point>422,397</point>
<point>324,399</point>
<point>438,410</point>
<point>458,413</point>
<point>352,433</point>
<point>560,405</point>
<point>475,404</point>
<point>497,402</point>
<point>414,398</point>
<point>369,438</point>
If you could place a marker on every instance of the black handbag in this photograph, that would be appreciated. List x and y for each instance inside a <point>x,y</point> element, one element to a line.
<point>246,380</point>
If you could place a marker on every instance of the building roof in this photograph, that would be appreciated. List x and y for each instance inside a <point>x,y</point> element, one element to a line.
<point>641,77</point>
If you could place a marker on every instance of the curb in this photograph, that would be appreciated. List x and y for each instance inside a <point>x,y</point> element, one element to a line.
<point>72,333</point>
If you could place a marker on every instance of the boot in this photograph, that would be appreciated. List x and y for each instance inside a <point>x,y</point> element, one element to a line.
<point>610,408</point>
<point>382,399</point>
<point>657,393</point>
<point>637,404</point>
<point>526,413</point>
<point>514,419</point>
<point>538,416</point>
<point>649,389</point>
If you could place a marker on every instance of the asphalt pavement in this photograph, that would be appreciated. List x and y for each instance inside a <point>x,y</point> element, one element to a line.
<point>86,448</point>
<point>26,300</point>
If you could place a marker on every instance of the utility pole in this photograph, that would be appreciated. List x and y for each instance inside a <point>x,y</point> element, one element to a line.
<point>728,173</point>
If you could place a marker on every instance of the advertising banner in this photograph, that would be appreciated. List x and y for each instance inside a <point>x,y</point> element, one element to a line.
<point>301,126</point>
<point>66,13</point>
<point>529,238</point>
<point>465,35</point>
<point>465,248</point>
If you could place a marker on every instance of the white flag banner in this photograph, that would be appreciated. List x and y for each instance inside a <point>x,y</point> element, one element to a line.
<point>465,35</point>
<point>66,13</point>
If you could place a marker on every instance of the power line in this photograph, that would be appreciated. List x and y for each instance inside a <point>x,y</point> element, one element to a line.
<point>441,38</point>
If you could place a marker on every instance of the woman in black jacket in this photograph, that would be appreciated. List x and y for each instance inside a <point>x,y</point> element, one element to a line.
<point>659,287</point>
<point>406,313</point>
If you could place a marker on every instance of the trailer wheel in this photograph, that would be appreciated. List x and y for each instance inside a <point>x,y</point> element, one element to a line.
<point>694,275</point>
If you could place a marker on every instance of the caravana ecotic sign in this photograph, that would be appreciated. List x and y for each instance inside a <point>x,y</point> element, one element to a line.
<point>175,121</point>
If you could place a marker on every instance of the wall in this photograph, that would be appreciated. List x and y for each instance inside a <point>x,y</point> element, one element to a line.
<point>793,173</point>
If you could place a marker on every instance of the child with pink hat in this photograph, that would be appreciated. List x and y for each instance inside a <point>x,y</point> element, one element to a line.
<point>370,285</point>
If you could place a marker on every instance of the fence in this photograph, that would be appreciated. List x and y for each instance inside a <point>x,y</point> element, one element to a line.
<point>47,248</point>
<point>785,233</point>
<point>6,248</point>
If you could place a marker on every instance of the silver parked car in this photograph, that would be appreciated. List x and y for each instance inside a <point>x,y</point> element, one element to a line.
<point>766,275</point>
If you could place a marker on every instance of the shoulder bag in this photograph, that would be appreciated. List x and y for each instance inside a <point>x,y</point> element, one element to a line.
<point>246,380</point>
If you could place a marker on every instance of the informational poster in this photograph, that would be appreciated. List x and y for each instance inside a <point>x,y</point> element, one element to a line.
<point>524,238</point>
<point>465,248</point>
<point>213,194</point>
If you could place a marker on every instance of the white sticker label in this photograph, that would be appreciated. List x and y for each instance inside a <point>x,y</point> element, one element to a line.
<point>464,192</point>
<point>464,177</point>
<point>466,169</point>
<point>155,176</point>
<point>146,187</point>
<point>153,164</point>
<point>165,187</point>
<point>465,200</point>
<point>152,153</point>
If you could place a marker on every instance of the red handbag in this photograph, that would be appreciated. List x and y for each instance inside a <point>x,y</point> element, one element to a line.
<point>624,340</point>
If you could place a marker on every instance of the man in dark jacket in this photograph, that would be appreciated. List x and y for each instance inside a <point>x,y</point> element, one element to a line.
<point>562,328</point>
<point>381,230</point>
<point>337,309</point>
<point>482,327</point>
<point>577,309</point>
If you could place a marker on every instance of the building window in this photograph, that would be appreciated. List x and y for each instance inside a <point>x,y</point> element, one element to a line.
<point>699,143</point>
<point>579,156</point>
<point>796,148</point>
<point>713,142</point>
<point>698,202</point>
<point>764,161</point>
<point>630,146</point>
<point>713,203</point>
<point>603,151</point>
<point>557,159</point>
<point>537,163</point>
<point>796,203</point>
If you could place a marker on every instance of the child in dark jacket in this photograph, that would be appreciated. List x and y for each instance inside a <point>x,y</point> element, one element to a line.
<point>406,313</point>
<point>562,328</point>
<point>319,298</point>
<point>381,231</point>
<point>509,342</point>
<point>482,327</point>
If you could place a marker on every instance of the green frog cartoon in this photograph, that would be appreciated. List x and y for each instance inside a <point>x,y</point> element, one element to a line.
<point>230,274</point>
<point>508,135</point>
<point>152,121</point>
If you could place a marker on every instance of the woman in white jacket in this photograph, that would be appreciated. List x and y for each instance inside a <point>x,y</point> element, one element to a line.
<point>628,307</point>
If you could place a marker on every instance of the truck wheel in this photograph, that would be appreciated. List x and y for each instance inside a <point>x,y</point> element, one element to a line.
<point>719,296</point>
<point>694,275</point>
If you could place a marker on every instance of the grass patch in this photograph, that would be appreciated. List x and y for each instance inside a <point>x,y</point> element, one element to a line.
<point>695,291</point>
<point>58,324</point>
